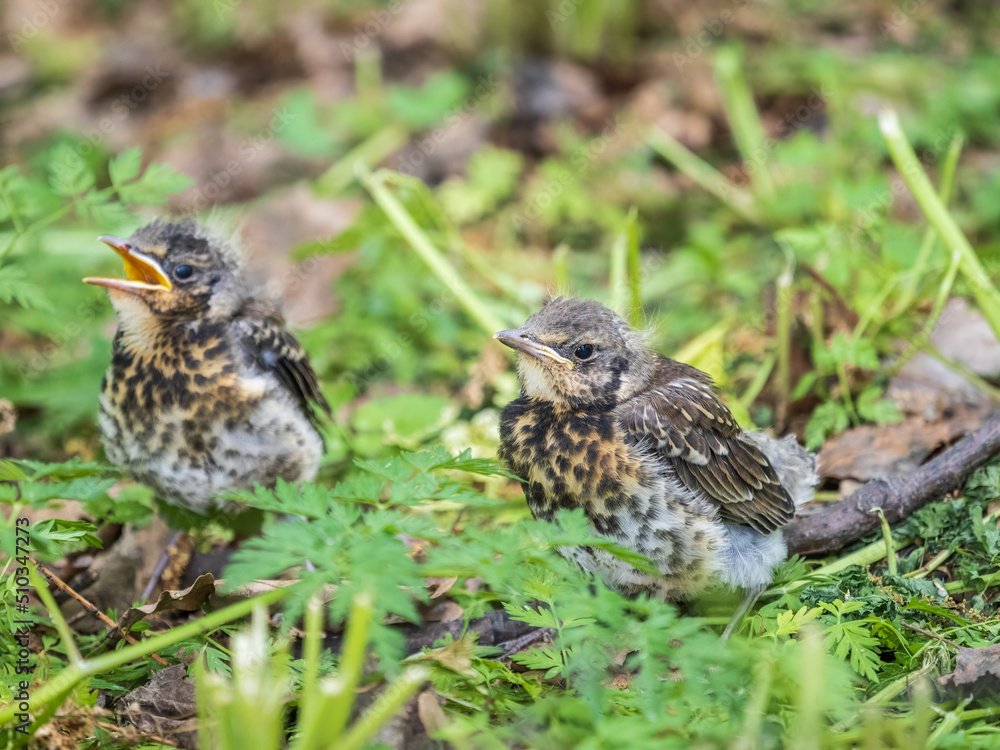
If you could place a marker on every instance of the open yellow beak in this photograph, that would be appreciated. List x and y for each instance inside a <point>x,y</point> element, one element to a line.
<point>144,273</point>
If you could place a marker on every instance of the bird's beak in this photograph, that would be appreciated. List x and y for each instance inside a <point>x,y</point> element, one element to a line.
<point>522,342</point>
<point>143,272</point>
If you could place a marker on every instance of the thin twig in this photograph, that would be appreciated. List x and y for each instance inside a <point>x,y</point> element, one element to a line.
<point>928,633</point>
<point>105,620</point>
<point>838,524</point>
<point>111,728</point>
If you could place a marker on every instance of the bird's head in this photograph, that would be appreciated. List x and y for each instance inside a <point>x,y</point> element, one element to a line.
<point>175,271</point>
<point>577,353</point>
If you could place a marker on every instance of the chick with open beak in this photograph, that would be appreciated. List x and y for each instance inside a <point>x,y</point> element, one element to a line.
<point>143,271</point>
<point>644,446</point>
<point>207,391</point>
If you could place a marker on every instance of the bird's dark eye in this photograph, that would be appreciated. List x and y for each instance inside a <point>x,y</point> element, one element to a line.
<point>183,272</point>
<point>582,352</point>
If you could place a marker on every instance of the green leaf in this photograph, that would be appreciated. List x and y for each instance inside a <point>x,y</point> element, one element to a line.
<point>69,174</point>
<point>15,287</point>
<point>921,605</point>
<point>426,105</point>
<point>541,659</point>
<point>304,132</point>
<point>542,617</point>
<point>57,536</point>
<point>790,622</point>
<point>987,534</point>
<point>75,468</point>
<point>9,472</point>
<point>125,167</point>
<point>157,183</point>
<point>874,408</point>
<point>805,384</point>
<point>827,419</point>
<point>850,638</point>
<point>438,457</point>
<point>306,499</point>
<point>853,639</point>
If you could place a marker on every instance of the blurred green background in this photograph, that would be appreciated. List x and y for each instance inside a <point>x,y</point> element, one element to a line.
<point>675,159</point>
<point>789,195</point>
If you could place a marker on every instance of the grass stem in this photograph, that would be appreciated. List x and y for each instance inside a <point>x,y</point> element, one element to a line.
<point>890,551</point>
<point>948,169</point>
<point>748,131</point>
<point>916,179</point>
<point>370,152</point>
<point>62,683</point>
<point>421,243</point>
<point>352,661</point>
<point>387,704</point>
<point>703,174</point>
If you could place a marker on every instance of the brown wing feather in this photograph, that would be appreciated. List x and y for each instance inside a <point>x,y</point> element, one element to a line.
<point>698,436</point>
<point>273,349</point>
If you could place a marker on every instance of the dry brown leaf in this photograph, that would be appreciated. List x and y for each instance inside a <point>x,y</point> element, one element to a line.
<point>876,451</point>
<point>429,711</point>
<point>165,707</point>
<point>189,600</point>
<point>927,388</point>
<point>441,585</point>
<point>977,670</point>
<point>456,655</point>
<point>7,417</point>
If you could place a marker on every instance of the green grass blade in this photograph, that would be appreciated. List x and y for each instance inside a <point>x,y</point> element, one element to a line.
<point>421,243</point>
<point>703,174</point>
<point>916,179</point>
<point>748,132</point>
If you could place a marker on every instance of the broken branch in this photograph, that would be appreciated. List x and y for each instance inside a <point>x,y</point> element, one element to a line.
<point>838,524</point>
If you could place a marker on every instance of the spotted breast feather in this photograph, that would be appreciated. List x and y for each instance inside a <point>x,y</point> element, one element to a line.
<point>697,435</point>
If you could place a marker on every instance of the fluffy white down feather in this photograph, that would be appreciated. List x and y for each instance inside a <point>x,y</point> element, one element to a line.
<point>750,557</point>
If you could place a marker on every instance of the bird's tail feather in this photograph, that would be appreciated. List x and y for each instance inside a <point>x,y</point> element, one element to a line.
<point>796,466</point>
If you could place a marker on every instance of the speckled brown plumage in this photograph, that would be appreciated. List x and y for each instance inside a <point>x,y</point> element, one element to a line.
<point>699,438</point>
<point>642,444</point>
<point>207,391</point>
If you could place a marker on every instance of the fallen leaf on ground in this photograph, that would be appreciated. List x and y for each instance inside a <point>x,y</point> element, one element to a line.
<point>927,388</point>
<point>977,670</point>
<point>189,600</point>
<point>876,451</point>
<point>165,707</point>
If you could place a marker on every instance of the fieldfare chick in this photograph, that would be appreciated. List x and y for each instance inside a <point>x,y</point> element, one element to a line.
<point>207,390</point>
<point>645,447</point>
